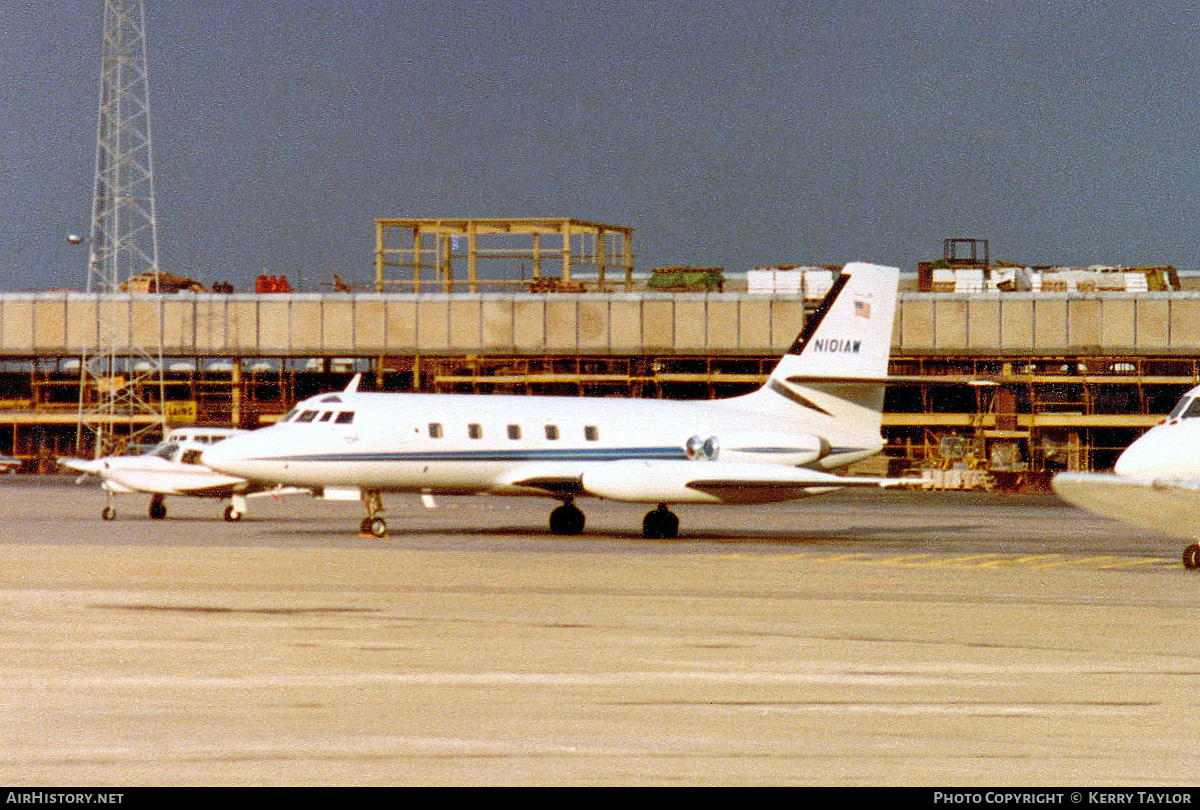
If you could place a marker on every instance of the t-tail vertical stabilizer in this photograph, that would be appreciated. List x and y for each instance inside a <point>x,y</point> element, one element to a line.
<point>836,370</point>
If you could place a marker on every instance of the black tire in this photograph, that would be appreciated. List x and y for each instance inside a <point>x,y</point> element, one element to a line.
<point>567,520</point>
<point>660,524</point>
<point>109,513</point>
<point>232,515</point>
<point>158,509</point>
<point>1191,557</point>
<point>377,527</point>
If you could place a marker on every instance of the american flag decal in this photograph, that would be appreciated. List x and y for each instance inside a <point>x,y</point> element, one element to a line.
<point>862,309</point>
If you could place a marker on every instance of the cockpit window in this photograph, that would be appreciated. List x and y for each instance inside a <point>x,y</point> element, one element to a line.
<point>307,416</point>
<point>1193,409</point>
<point>191,456</point>
<point>287,416</point>
<point>166,450</point>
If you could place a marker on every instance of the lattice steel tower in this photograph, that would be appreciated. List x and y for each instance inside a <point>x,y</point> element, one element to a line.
<point>121,391</point>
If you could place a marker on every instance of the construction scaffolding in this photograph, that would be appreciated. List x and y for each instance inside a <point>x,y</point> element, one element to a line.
<point>500,253</point>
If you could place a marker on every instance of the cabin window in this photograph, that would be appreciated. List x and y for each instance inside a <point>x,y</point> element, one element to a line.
<point>307,416</point>
<point>514,432</point>
<point>552,432</point>
<point>475,431</point>
<point>344,418</point>
<point>591,433</point>
<point>325,416</point>
<point>435,430</point>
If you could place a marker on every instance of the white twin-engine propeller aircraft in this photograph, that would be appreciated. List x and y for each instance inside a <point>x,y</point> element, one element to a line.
<point>819,410</point>
<point>1155,483</point>
<point>172,468</point>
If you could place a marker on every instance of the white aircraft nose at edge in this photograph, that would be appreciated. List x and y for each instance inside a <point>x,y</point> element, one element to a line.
<point>1155,483</point>
<point>819,410</point>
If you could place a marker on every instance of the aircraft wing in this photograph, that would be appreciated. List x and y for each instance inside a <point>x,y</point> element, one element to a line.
<point>669,481</point>
<point>1170,506</point>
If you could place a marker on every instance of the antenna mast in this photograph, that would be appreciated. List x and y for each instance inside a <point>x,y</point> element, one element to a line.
<point>121,381</point>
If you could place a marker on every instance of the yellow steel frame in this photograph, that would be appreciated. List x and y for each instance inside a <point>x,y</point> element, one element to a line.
<point>421,246</point>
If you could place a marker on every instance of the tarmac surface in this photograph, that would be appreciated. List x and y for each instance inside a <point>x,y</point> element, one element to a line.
<point>933,639</point>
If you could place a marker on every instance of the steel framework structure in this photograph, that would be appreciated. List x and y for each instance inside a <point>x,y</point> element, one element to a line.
<point>433,246</point>
<point>114,405</point>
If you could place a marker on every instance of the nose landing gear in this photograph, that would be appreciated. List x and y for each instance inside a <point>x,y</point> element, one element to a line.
<point>373,525</point>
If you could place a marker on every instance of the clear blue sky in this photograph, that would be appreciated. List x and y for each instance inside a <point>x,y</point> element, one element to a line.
<point>732,134</point>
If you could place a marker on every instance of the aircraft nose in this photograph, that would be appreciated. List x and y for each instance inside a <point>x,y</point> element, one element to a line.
<point>1145,457</point>
<point>222,457</point>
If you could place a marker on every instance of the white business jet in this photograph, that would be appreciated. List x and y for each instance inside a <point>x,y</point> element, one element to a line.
<point>171,468</point>
<point>819,410</point>
<point>1155,483</point>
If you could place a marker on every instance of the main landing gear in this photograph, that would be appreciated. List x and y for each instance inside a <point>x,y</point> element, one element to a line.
<point>373,525</point>
<point>566,519</point>
<point>1191,557</point>
<point>660,524</point>
<point>158,507</point>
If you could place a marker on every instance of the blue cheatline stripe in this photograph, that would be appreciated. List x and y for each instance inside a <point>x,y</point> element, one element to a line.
<point>608,454</point>
<point>599,454</point>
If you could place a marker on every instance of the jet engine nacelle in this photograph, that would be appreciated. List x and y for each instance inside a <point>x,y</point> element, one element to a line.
<point>646,482</point>
<point>766,447</point>
<point>671,481</point>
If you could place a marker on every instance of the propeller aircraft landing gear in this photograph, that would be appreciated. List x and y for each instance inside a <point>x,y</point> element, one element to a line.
<point>567,519</point>
<point>158,508</point>
<point>373,525</point>
<point>660,524</point>
<point>235,509</point>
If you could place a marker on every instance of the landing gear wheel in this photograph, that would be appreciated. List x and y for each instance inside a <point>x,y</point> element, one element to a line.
<point>109,513</point>
<point>158,509</point>
<point>660,524</point>
<point>372,525</point>
<point>566,519</point>
<point>232,515</point>
<point>1191,557</point>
